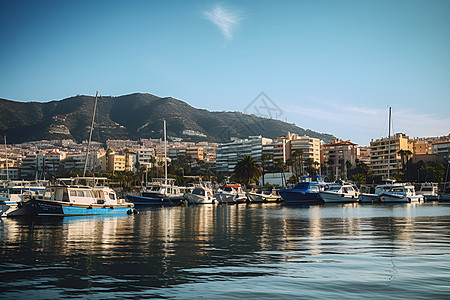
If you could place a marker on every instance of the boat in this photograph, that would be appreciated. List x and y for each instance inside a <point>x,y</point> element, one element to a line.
<point>13,198</point>
<point>202,193</point>
<point>305,192</point>
<point>400,193</point>
<point>429,190</point>
<point>365,195</point>
<point>445,194</point>
<point>263,195</point>
<point>160,192</point>
<point>339,194</point>
<point>62,199</point>
<point>230,194</point>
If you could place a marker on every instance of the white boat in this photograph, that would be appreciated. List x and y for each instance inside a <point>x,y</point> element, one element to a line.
<point>202,193</point>
<point>400,193</point>
<point>13,198</point>
<point>231,194</point>
<point>263,195</point>
<point>429,190</point>
<point>365,196</point>
<point>339,194</point>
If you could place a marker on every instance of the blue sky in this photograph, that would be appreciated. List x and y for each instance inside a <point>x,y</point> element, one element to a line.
<point>330,66</point>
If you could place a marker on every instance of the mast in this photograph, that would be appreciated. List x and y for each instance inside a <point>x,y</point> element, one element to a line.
<point>165,153</point>
<point>6,160</point>
<point>90,135</point>
<point>389,146</point>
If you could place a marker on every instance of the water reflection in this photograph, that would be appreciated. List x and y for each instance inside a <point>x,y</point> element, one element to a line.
<point>142,255</point>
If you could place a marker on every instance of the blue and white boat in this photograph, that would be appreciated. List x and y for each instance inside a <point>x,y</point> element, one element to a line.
<point>74,200</point>
<point>160,192</point>
<point>305,192</point>
<point>400,193</point>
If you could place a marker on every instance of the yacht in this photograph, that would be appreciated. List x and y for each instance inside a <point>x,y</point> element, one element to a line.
<point>202,193</point>
<point>429,190</point>
<point>339,194</point>
<point>230,194</point>
<point>400,193</point>
<point>445,194</point>
<point>306,191</point>
<point>263,195</point>
<point>160,192</point>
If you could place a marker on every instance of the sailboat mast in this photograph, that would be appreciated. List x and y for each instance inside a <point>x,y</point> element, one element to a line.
<point>6,161</point>
<point>389,146</point>
<point>165,152</point>
<point>90,135</point>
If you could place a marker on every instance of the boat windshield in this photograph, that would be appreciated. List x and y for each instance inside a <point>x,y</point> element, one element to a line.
<point>301,186</point>
<point>228,189</point>
<point>200,192</point>
<point>334,188</point>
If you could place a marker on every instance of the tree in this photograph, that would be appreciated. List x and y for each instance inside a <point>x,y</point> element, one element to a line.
<point>403,154</point>
<point>247,170</point>
<point>265,158</point>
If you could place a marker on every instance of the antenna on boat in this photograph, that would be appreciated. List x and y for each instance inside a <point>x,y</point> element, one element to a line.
<point>90,135</point>
<point>389,146</point>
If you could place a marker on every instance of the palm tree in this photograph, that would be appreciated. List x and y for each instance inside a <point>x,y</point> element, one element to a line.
<point>247,170</point>
<point>265,158</point>
<point>403,154</point>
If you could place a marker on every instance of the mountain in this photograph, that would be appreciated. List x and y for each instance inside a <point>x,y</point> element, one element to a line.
<point>133,116</point>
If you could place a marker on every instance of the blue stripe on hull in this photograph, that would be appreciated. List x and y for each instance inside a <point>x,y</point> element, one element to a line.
<point>46,208</point>
<point>169,201</point>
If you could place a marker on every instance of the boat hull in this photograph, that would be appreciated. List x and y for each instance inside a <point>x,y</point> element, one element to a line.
<point>292,197</point>
<point>55,208</point>
<point>330,197</point>
<point>368,198</point>
<point>229,198</point>
<point>444,197</point>
<point>197,199</point>
<point>163,201</point>
<point>262,198</point>
<point>393,198</point>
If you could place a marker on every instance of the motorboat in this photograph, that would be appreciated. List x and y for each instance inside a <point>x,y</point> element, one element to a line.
<point>429,190</point>
<point>12,198</point>
<point>339,194</point>
<point>263,195</point>
<point>305,192</point>
<point>445,194</point>
<point>201,193</point>
<point>160,192</point>
<point>400,193</point>
<point>63,199</point>
<point>230,194</point>
<point>365,195</point>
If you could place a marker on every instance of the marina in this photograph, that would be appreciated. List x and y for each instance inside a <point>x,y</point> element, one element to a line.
<point>261,251</point>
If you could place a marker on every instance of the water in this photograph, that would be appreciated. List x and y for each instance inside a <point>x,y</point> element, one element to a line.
<point>232,252</point>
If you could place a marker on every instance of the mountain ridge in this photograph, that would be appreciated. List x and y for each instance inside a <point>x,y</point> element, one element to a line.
<point>133,116</point>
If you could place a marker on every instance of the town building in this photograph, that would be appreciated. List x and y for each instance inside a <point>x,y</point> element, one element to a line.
<point>379,156</point>
<point>339,156</point>
<point>229,154</point>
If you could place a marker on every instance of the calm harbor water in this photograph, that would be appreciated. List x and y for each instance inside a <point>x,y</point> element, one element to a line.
<point>229,252</point>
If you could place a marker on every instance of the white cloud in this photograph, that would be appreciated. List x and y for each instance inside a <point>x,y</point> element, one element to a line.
<point>225,19</point>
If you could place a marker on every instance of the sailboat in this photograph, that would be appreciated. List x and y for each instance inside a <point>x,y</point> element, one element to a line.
<point>162,191</point>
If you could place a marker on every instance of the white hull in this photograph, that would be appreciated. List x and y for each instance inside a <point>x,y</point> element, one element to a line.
<point>331,197</point>
<point>230,198</point>
<point>393,198</point>
<point>197,199</point>
<point>259,198</point>
<point>368,198</point>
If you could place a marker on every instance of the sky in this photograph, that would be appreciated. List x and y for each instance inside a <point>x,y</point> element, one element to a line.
<point>330,66</point>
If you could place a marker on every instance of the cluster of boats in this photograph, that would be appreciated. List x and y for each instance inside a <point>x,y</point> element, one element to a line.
<point>91,196</point>
<point>67,197</point>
